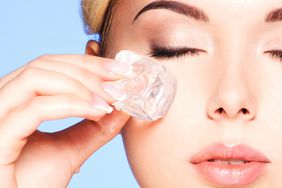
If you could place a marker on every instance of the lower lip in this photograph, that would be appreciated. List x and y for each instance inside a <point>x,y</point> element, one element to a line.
<point>225,174</point>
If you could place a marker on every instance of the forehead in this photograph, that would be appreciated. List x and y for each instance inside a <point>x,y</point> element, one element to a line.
<point>217,10</point>
<point>241,18</point>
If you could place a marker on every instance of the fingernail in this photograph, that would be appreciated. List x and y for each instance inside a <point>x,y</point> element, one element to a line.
<point>118,68</point>
<point>113,91</point>
<point>101,104</point>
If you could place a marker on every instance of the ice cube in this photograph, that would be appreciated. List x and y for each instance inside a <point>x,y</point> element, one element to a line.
<point>149,87</point>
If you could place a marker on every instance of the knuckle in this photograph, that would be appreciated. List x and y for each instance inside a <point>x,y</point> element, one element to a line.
<point>83,73</point>
<point>36,103</point>
<point>35,108</point>
<point>29,72</point>
<point>79,89</point>
<point>74,85</point>
<point>88,76</point>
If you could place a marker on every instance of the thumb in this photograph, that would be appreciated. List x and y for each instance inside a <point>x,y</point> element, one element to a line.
<point>80,141</point>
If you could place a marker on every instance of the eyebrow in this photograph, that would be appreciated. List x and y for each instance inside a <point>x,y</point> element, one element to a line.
<point>274,16</point>
<point>178,7</point>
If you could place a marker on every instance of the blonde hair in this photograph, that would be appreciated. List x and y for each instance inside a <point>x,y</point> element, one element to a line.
<point>97,16</point>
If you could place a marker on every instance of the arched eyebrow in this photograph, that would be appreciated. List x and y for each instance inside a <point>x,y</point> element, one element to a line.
<point>178,7</point>
<point>274,15</point>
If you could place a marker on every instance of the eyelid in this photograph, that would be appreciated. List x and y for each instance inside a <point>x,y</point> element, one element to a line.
<point>173,52</point>
<point>175,48</point>
<point>274,50</point>
<point>275,53</point>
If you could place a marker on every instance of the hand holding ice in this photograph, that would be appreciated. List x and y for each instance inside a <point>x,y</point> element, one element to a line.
<point>149,88</point>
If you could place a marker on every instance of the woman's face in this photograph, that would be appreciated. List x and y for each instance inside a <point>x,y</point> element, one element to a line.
<point>229,96</point>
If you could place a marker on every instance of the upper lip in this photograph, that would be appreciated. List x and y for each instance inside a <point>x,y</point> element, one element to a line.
<point>219,151</point>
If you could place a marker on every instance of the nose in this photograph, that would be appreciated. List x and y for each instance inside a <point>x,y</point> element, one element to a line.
<point>232,99</point>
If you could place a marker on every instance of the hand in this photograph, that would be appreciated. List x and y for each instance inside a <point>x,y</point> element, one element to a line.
<point>48,88</point>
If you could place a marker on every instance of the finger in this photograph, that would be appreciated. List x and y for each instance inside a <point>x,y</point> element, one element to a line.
<point>97,65</point>
<point>10,76</point>
<point>105,68</point>
<point>80,141</point>
<point>90,80</point>
<point>24,120</point>
<point>35,81</point>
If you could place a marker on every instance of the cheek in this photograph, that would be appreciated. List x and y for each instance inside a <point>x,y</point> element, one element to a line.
<point>153,152</point>
<point>159,151</point>
<point>148,139</point>
<point>163,147</point>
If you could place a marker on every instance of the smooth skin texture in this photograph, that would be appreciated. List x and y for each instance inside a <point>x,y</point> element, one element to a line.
<point>231,72</point>
<point>229,92</point>
<point>48,88</point>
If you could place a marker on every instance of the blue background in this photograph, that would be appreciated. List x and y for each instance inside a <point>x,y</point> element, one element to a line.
<point>35,27</point>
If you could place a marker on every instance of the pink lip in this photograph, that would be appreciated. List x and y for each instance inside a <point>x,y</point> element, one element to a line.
<point>221,173</point>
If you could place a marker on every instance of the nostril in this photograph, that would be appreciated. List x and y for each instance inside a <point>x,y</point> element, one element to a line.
<point>245,111</point>
<point>220,110</point>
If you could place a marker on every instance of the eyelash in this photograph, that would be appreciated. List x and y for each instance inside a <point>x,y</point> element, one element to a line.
<point>276,54</point>
<point>173,52</point>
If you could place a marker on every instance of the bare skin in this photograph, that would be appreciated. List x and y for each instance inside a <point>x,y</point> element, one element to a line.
<point>229,91</point>
<point>48,88</point>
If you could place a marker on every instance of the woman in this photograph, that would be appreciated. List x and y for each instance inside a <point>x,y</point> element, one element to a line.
<point>222,130</point>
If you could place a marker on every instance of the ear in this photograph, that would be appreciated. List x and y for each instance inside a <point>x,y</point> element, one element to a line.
<point>92,48</point>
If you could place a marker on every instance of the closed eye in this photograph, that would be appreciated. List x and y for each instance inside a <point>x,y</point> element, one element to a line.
<point>276,54</point>
<point>173,52</point>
